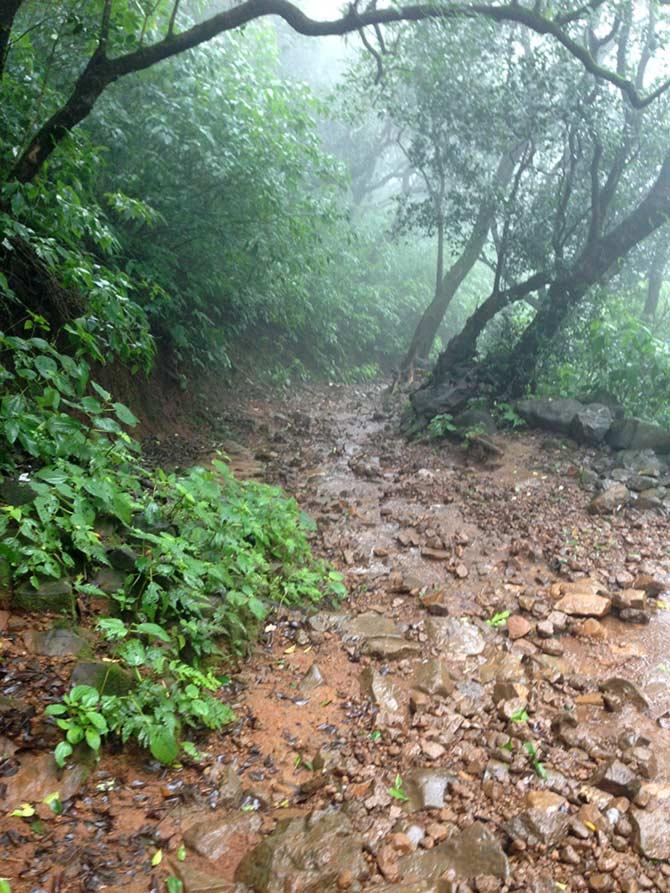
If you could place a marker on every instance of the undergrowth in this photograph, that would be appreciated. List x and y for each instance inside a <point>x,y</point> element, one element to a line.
<point>192,561</point>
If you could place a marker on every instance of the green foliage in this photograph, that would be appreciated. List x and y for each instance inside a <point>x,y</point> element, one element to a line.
<point>397,790</point>
<point>209,555</point>
<point>80,718</point>
<point>508,417</point>
<point>441,426</point>
<point>498,620</point>
<point>608,347</point>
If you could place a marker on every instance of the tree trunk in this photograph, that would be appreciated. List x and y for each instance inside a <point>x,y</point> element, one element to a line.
<point>655,279</point>
<point>447,286</point>
<point>599,258</point>
<point>8,10</point>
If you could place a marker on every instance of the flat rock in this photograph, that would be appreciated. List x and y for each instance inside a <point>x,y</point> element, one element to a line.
<point>458,638</point>
<point>370,625</point>
<point>584,604</point>
<point>56,642</point>
<point>553,414</point>
<point>473,852</point>
<point>38,776</point>
<point>311,851</point>
<point>54,596</point>
<point>390,648</point>
<point>312,679</point>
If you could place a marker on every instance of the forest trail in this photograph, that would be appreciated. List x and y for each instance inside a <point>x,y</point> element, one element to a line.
<point>453,746</point>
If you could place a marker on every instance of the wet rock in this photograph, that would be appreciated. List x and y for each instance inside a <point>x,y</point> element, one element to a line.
<point>471,853</point>
<point>508,691</point>
<point>108,677</point>
<point>630,598</point>
<point>38,776</point>
<point>381,690</point>
<point>312,852</point>
<point>549,413</point>
<point>432,678</point>
<point>610,500</point>
<point>501,666</point>
<point>651,826</point>
<point>56,642</point>
<point>390,648</point>
<point>517,627</point>
<point>312,679</point>
<point>226,780</point>
<point>591,424</point>
<point>592,629</point>
<point>584,604</point>
<point>626,691</point>
<point>634,434</point>
<point>223,839</point>
<point>197,881</point>
<point>457,637</point>
<point>617,779</point>
<point>427,788</point>
<point>370,625</point>
<point>544,821</point>
<point>54,596</point>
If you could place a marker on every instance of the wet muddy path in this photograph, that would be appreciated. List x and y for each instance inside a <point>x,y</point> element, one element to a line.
<point>475,716</point>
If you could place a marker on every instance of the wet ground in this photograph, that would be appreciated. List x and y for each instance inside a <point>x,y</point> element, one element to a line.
<point>476,716</point>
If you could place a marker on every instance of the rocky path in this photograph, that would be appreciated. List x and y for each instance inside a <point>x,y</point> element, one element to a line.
<point>488,711</point>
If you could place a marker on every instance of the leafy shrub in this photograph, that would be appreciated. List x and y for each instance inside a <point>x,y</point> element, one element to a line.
<point>207,555</point>
<point>608,347</point>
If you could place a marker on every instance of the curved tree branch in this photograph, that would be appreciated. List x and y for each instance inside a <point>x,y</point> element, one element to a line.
<point>101,71</point>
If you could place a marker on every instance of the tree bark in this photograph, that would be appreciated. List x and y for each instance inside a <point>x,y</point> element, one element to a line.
<point>8,10</point>
<point>659,262</point>
<point>599,258</point>
<point>447,287</point>
<point>101,71</point>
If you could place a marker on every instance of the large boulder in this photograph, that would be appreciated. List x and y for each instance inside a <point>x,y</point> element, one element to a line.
<point>634,434</point>
<point>554,414</point>
<point>475,419</point>
<point>311,852</point>
<point>591,424</point>
<point>448,397</point>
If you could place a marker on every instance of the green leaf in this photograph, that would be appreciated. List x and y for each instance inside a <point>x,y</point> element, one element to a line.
<point>153,630</point>
<point>93,739</point>
<point>46,366</point>
<point>62,752</point>
<point>6,887</point>
<point>173,884</point>
<point>124,415</point>
<point>164,746</point>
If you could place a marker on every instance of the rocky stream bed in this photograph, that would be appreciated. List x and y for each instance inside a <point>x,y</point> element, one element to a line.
<point>488,711</point>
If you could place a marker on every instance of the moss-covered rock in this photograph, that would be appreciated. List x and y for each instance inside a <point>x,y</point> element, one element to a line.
<point>108,677</point>
<point>50,595</point>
